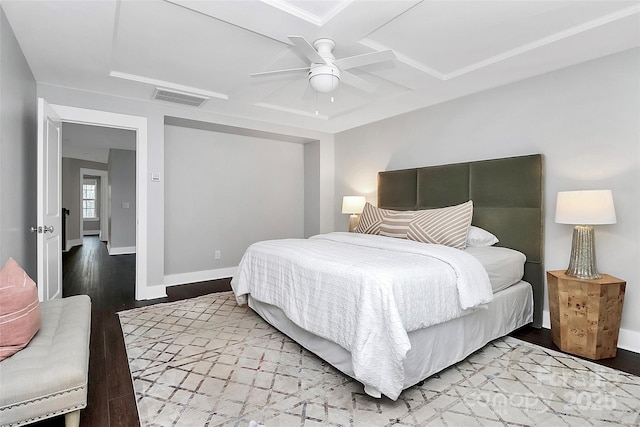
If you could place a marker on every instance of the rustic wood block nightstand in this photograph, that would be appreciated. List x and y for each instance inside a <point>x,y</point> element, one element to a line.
<point>585,314</point>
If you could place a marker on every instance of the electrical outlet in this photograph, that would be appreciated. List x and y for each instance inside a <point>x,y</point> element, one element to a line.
<point>218,254</point>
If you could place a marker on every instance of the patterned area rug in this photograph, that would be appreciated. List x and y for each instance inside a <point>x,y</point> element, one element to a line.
<point>208,362</point>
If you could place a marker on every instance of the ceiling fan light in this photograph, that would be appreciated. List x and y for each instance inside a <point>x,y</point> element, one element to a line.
<point>324,83</point>
<point>324,78</point>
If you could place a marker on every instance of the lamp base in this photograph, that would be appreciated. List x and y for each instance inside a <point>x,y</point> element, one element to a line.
<point>582,263</point>
<point>353,222</point>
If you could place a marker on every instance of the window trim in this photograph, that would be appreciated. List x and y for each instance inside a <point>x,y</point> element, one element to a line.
<point>94,182</point>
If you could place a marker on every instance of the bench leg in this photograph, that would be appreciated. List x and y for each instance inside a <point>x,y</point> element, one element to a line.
<point>72,419</point>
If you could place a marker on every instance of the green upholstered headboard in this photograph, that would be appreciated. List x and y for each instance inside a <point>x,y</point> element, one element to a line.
<point>507,199</point>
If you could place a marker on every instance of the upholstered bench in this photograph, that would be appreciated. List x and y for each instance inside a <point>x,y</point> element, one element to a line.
<point>49,376</point>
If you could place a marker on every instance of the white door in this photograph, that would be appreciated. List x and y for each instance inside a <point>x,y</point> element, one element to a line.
<point>49,203</point>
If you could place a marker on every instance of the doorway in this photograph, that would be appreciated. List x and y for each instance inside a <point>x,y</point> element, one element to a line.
<point>91,155</point>
<point>139,125</point>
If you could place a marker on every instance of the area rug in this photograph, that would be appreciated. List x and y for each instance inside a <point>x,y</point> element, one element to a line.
<point>208,362</point>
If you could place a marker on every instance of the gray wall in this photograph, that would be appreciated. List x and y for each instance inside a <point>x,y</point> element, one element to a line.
<point>224,192</point>
<point>18,121</point>
<point>312,193</point>
<point>585,119</point>
<point>155,113</point>
<point>71,192</point>
<point>122,189</point>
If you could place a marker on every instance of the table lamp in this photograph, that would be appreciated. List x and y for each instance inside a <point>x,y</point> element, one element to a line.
<point>353,205</point>
<point>584,209</point>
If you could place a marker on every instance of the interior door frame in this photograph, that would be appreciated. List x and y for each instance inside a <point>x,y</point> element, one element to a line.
<point>139,125</point>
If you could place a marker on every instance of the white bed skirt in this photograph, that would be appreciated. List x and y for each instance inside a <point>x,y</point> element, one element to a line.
<point>433,348</point>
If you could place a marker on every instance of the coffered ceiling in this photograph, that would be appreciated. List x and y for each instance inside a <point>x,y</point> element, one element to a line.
<point>444,50</point>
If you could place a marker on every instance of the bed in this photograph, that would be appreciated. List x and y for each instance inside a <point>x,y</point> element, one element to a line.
<point>359,308</point>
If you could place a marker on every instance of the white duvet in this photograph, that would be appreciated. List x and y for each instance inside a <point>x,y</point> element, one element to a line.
<point>364,292</point>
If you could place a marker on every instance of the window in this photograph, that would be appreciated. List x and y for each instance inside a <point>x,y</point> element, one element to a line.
<point>89,199</point>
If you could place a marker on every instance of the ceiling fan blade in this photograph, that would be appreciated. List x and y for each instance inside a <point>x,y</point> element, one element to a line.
<point>268,73</point>
<point>357,82</point>
<point>365,59</point>
<point>305,47</point>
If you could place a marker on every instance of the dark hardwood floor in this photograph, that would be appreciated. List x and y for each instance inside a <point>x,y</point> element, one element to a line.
<point>110,282</point>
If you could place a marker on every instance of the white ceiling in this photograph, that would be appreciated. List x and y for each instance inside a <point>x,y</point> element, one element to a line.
<point>444,49</point>
<point>94,142</point>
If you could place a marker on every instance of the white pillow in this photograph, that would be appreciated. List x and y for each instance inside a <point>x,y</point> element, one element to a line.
<point>478,237</point>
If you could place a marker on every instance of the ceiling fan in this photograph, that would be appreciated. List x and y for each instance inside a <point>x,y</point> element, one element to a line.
<point>325,71</point>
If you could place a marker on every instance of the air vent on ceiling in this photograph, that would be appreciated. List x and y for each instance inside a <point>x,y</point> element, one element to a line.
<point>178,97</point>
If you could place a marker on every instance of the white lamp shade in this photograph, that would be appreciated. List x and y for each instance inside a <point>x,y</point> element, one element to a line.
<point>353,204</point>
<point>591,207</point>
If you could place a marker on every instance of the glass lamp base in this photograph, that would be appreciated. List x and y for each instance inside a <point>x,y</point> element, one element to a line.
<point>353,222</point>
<point>582,263</point>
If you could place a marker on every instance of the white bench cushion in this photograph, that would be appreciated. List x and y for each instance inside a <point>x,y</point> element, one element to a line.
<point>49,376</point>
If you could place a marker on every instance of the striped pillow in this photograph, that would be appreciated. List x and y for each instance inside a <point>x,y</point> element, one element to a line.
<point>370,219</point>
<point>19,309</point>
<point>445,226</point>
<point>396,224</point>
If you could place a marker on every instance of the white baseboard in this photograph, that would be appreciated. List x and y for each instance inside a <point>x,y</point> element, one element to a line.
<point>91,232</point>
<point>199,276</point>
<point>153,292</point>
<point>546,319</point>
<point>71,243</point>
<point>150,292</point>
<point>124,250</point>
<point>627,339</point>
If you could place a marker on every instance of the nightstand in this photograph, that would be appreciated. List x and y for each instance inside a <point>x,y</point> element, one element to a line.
<point>585,314</point>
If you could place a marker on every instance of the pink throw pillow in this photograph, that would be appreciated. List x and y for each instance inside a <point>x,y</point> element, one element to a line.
<point>19,309</point>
